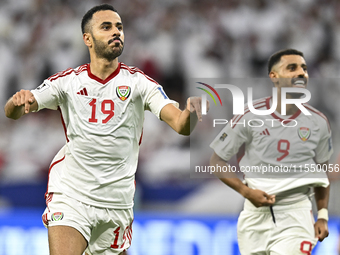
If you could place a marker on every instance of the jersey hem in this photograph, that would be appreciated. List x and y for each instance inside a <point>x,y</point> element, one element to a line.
<point>302,204</point>
<point>118,206</point>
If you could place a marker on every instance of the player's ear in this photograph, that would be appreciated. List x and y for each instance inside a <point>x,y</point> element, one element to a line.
<point>273,76</point>
<point>87,39</point>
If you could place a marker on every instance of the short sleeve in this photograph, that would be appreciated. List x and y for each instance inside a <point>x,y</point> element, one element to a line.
<point>154,97</point>
<point>48,95</point>
<point>324,149</point>
<point>229,140</point>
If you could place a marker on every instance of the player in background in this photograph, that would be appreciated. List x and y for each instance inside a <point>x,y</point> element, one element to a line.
<point>277,217</point>
<point>91,184</point>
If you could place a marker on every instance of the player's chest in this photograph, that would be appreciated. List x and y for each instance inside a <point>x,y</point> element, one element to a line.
<point>277,136</point>
<point>111,103</point>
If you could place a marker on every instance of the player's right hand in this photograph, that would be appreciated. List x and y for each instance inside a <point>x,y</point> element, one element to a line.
<point>194,104</point>
<point>23,98</point>
<point>260,198</point>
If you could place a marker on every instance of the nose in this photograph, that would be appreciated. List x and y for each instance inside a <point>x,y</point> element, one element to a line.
<point>302,73</point>
<point>115,32</point>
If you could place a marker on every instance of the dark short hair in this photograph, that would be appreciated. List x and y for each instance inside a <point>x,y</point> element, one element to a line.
<point>88,16</point>
<point>276,57</point>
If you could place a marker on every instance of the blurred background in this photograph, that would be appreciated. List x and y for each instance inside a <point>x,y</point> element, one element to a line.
<point>172,41</point>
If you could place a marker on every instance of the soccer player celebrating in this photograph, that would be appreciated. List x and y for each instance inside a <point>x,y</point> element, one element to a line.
<point>277,216</point>
<point>91,179</point>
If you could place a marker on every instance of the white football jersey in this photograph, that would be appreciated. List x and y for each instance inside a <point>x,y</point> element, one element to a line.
<point>277,153</point>
<point>103,122</point>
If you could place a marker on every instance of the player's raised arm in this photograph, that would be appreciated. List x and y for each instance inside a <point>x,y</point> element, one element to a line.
<point>183,122</point>
<point>321,198</point>
<point>256,197</point>
<point>20,103</point>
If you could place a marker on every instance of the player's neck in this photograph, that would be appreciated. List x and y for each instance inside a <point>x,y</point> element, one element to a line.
<point>103,68</point>
<point>291,109</point>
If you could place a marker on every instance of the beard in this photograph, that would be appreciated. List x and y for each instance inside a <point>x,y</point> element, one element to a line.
<point>296,94</point>
<point>288,82</point>
<point>103,50</point>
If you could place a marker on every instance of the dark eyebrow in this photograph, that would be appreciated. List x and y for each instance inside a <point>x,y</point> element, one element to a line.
<point>291,65</point>
<point>295,65</point>
<point>110,23</point>
<point>106,23</point>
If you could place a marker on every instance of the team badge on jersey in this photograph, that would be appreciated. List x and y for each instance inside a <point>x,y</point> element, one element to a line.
<point>304,133</point>
<point>57,216</point>
<point>123,92</point>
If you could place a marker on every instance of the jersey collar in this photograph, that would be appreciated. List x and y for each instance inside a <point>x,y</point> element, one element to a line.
<point>295,115</point>
<point>111,76</point>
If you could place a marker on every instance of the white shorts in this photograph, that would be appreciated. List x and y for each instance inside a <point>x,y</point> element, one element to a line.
<point>292,232</point>
<point>107,231</point>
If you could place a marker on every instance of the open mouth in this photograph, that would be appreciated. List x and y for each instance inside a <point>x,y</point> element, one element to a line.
<point>300,83</point>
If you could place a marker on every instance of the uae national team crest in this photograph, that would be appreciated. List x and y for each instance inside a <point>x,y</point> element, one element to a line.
<point>304,133</point>
<point>123,92</point>
<point>57,216</point>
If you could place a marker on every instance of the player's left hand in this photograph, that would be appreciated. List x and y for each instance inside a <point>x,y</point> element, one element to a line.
<point>321,229</point>
<point>194,104</point>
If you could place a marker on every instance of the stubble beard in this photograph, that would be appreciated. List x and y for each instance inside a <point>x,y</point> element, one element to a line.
<point>103,50</point>
<point>287,83</point>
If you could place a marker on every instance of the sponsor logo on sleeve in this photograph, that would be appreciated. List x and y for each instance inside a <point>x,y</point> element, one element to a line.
<point>223,136</point>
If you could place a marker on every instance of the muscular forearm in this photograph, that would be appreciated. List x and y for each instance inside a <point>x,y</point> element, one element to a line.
<point>183,122</point>
<point>321,193</point>
<point>229,178</point>
<point>321,197</point>
<point>256,197</point>
<point>237,185</point>
<point>186,122</point>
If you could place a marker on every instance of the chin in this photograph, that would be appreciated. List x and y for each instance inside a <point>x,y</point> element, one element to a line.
<point>295,95</point>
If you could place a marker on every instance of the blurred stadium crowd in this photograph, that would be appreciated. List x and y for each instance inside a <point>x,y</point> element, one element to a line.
<point>171,41</point>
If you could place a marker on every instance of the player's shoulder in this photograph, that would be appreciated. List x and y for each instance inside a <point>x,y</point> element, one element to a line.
<point>258,104</point>
<point>320,117</point>
<point>135,72</point>
<point>314,111</point>
<point>262,103</point>
<point>68,73</point>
